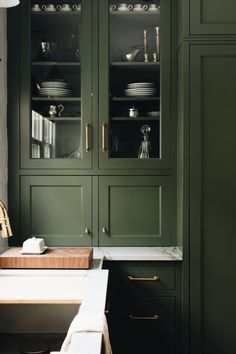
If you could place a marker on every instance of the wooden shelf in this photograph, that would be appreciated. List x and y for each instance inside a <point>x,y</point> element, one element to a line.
<point>135,13</point>
<point>57,13</point>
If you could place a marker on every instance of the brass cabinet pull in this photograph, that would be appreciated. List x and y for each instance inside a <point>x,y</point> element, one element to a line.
<point>155,278</point>
<point>104,148</point>
<point>86,231</point>
<point>104,231</point>
<point>150,318</point>
<point>87,126</point>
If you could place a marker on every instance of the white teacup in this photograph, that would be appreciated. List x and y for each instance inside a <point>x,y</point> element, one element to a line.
<point>124,7</point>
<point>140,7</point>
<point>76,7</point>
<point>152,7</point>
<point>64,7</point>
<point>36,7</point>
<point>49,7</point>
<point>113,7</point>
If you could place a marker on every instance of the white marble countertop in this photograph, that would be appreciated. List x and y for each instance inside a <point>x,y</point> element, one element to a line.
<point>137,254</point>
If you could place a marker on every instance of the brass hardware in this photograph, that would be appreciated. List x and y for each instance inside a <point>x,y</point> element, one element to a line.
<point>86,231</point>
<point>155,278</point>
<point>150,318</point>
<point>5,226</point>
<point>87,137</point>
<point>104,231</point>
<point>104,148</point>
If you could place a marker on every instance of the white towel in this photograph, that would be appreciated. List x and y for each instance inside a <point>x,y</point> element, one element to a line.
<point>90,322</point>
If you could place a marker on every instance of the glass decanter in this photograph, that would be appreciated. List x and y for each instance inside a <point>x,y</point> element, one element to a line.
<point>145,146</point>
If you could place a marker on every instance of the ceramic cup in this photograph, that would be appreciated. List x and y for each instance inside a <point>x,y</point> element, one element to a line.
<point>113,7</point>
<point>152,7</point>
<point>140,7</point>
<point>64,7</point>
<point>76,7</point>
<point>36,7</point>
<point>124,7</point>
<point>49,7</point>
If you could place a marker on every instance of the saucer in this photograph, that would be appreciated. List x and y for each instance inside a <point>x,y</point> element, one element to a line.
<point>42,251</point>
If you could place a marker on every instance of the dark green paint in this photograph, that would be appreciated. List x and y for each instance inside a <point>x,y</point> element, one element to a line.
<point>135,210</point>
<point>57,209</point>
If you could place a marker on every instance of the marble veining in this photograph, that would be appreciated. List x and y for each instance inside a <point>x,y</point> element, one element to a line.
<point>138,253</point>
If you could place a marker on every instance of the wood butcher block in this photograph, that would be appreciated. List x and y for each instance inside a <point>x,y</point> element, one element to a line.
<point>66,258</point>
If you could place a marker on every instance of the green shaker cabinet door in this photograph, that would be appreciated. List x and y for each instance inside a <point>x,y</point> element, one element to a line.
<point>134,211</point>
<point>57,209</point>
<point>212,198</point>
<point>213,17</point>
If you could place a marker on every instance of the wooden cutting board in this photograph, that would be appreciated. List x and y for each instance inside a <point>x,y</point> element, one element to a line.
<point>55,257</point>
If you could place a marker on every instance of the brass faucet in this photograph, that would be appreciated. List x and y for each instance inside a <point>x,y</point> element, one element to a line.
<point>5,226</point>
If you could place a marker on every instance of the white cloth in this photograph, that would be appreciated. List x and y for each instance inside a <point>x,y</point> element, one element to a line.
<point>90,322</point>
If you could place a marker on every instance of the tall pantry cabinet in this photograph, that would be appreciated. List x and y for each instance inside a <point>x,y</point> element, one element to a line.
<point>92,115</point>
<point>207,96</point>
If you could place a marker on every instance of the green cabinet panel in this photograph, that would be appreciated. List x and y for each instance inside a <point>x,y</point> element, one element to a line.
<point>120,134</point>
<point>61,140</point>
<point>212,17</point>
<point>212,198</point>
<point>57,209</point>
<point>134,210</point>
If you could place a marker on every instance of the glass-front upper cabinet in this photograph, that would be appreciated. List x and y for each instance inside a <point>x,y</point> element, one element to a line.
<point>59,108</point>
<point>135,84</point>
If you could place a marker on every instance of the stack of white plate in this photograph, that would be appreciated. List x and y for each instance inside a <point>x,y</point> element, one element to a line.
<point>54,88</point>
<point>140,89</point>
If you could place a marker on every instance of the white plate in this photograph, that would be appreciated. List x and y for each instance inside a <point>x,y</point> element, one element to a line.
<point>141,84</point>
<point>43,250</point>
<point>52,84</point>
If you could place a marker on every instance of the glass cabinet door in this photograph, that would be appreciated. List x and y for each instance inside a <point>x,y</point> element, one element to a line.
<point>135,84</point>
<point>59,108</point>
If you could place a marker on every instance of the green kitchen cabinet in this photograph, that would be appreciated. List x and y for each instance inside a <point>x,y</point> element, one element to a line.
<point>210,106</point>
<point>143,307</point>
<point>92,100</point>
<point>208,17</point>
<point>135,211</point>
<point>55,95</point>
<point>143,84</point>
<point>57,208</point>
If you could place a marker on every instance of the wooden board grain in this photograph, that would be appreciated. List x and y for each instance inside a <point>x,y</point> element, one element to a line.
<point>53,258</point>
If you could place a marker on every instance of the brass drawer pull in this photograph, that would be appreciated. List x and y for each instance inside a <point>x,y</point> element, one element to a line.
<point>155,278</point>
<point>104,148</point>
<point>150,318</point>
<point>86,231</point>
<point>87,126</point>
<point>104,231</point>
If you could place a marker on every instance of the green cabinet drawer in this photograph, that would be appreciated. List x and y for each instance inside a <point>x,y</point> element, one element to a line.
<point>144,278</point>
<point>146,325</point>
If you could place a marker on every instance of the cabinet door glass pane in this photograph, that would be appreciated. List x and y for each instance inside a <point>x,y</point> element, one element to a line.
<point>55,80</point>
<point>134,126</point>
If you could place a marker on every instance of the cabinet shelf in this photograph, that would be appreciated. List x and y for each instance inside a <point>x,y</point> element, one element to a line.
<point>131,119</point>
<point>55,13</point>
<point>139,64</point>
<point>64,119</point>
<point>136,98</point>
<point>58,63</point>
<point>135,13</point>
<point>56,98</point>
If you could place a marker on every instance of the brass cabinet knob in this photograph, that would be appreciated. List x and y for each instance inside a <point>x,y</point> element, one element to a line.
<point>104,231</point>
<point>86,231</point>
